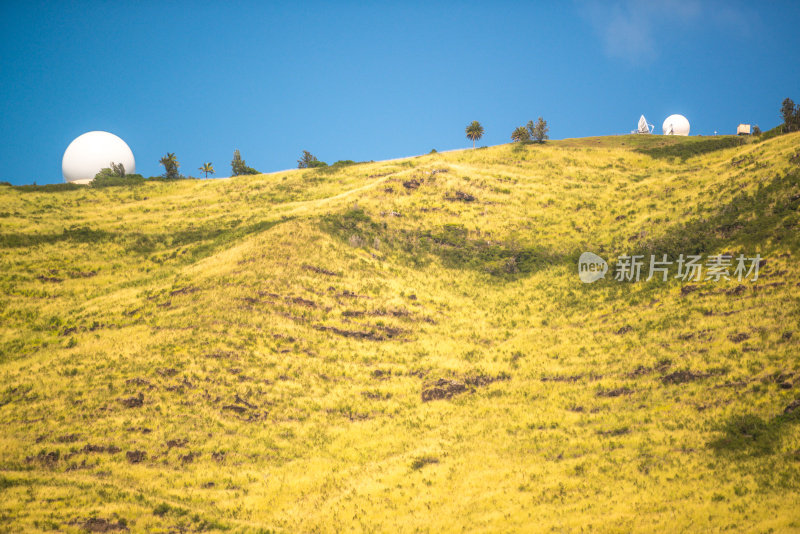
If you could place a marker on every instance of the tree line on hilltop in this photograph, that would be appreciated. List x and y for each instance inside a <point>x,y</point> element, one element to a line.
<point>533,131</point>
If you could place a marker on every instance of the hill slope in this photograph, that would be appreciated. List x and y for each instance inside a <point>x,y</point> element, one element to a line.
<point>406,346</point>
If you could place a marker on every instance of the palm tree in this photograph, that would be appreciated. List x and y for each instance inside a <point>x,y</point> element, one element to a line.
<point>207,168</point>
<point>520,134</point>
<point>474,132</point>
<point>170,163</point>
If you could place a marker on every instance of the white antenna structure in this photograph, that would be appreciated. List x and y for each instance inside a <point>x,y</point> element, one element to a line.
<point>643,127</point>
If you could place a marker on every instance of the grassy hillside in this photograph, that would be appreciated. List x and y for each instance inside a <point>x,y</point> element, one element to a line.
<point>406,346</point>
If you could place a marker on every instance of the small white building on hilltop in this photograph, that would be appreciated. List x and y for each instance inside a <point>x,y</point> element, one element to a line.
<point>743,129</point>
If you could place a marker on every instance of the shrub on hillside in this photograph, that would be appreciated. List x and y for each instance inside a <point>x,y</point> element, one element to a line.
<point>769,134</point>
<point>309,161</point>
<point>239,167</point>
<point>47,188</point>
<point>538,130</point>
<point>520,134</point>
<point>791,116</point>
<point>171,166</point>
<point>109,179</point>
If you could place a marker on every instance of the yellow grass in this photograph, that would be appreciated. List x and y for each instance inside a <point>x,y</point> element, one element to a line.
<point>281,330</point>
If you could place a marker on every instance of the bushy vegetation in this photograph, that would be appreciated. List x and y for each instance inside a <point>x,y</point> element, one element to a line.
<point>791,115</point>
<point>694,146</point>
<point>171,166</point>
<point>538,130</point>
<point>405,346</point>
<point>46,188</point>
<point>239,167</point>
<point>769,134</point>
<point>309,161</point>
<point>106,180</point>
<point>323,169</point>
<point>115,175</point>
<point>520,134</point>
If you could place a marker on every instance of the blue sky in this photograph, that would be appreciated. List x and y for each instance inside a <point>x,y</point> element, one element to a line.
<point>371,81</point>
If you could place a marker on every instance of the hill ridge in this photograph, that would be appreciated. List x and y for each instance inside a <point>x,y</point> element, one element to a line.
<point>384,346</point>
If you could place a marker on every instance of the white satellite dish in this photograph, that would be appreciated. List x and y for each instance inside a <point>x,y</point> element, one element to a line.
<point>643,127</point>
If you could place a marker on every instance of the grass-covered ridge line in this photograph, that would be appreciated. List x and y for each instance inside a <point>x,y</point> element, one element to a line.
<point>406,346</point>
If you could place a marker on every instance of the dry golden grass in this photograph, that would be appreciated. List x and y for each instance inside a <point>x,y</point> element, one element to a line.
<point>251,354</point>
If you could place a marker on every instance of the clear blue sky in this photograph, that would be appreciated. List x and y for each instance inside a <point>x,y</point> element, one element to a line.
<point>368,81</point>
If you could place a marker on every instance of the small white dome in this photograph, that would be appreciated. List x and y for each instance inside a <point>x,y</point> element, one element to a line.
<point>675,125</point>
<point>93,151</point>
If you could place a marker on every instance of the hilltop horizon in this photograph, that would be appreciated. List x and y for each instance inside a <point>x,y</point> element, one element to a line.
<point>220,175</point>
<point>351,82</point>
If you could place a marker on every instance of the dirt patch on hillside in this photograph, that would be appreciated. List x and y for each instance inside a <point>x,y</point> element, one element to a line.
<point>561,378</point>
<point>53,279</point>
<point>688,288</point>
<point>348,294</point>
<point>189,457</point>
<point>683,376</point>
<point>98,524</point>
<point>136,457</point>
<point>616,392</point>
<point>461,196</point>
<point>380,333</point>
<point>735,291</point>
<point>792,407</point>
<point>442,389</point>
<point>661,366</point>
<point>300,301</point>
<point>614,432</point>
<point>110,449</point>
<point>167,371</point>
<point>45,458</point>
<point>133,402</point>
<point>446,388</point>
<point>139,382</point>
<point>318,270</point>
<point>222,355</point>
<point>376,395</point>
<point>381,374</point>
<point>700,334</point>
<point>183,291</point>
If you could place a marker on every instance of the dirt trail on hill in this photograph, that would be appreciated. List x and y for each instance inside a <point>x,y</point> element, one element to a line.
<point>302,207</point>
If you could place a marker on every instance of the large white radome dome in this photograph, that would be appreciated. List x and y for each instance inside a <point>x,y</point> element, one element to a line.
<point>675,125</point>
<point>93,151</point>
